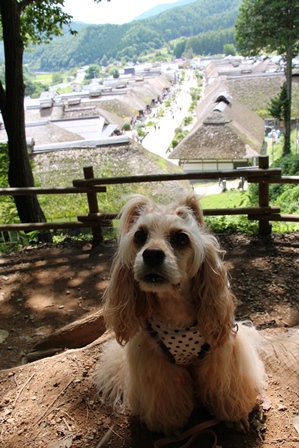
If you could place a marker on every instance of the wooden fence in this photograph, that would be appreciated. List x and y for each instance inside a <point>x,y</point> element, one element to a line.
<point>261,175</point>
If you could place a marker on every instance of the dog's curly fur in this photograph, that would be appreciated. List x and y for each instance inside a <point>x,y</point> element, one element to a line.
<point>169,267</point>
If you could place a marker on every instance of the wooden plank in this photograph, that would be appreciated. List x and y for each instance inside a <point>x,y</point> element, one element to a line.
<point>206,212</point>
<point>202,175</point>
<point>23,191</point>
<point>276,180</point>
<point>241,211</point>
<point>264,197</point>
<point>284,180</point>
<point>97,217</point>
<point>44,226</point>
<point>93,206</point>
<point>275,217</point>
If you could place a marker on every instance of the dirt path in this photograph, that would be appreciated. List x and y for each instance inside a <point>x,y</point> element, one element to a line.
<point>52,403</point>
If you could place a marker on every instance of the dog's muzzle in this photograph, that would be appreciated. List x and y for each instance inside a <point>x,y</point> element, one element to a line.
<point>153,258</point>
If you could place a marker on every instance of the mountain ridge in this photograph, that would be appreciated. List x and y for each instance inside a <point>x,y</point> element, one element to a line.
<point>104,44</point>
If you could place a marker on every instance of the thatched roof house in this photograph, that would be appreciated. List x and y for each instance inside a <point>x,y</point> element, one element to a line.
<point>93,111</point>
<point>144,95</point>
<point>137,99</point>
<point>227,135</point>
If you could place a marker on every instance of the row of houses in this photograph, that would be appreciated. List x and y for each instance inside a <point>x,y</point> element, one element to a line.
<point>80,119</point>
<point>226,135</point>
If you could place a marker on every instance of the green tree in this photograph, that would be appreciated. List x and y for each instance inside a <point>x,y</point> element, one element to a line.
<point>114,72</point>
<point>229,49</point>
<point>104,61</point>
<point>93,71</point>
<point>57,78</point>
<point>179,48</point>
<point>271,26</point>
<point>279,105</point>
<point>23,22</point>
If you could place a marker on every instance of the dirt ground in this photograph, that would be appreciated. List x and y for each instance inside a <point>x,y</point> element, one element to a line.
<point>52,403</point>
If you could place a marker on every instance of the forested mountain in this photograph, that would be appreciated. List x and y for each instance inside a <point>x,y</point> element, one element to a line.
<point>103,43</point>
<point>161,8</point>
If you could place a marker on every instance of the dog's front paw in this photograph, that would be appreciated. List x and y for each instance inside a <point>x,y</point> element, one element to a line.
<point>242,425</point>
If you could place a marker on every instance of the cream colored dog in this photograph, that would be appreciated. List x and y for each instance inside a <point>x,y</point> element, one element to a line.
<point>172,312</point>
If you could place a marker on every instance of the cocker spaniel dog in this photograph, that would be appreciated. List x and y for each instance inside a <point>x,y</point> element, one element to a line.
<point>169,304</point>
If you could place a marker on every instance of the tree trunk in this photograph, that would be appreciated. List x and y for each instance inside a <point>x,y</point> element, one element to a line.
<point>74,335</point>
<point>287,117</point>
<point>12,107</point>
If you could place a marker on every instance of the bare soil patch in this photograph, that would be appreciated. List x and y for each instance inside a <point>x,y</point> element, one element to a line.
<point>52,402</point>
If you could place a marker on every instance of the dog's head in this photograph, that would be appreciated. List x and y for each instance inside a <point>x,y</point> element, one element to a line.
<point>163,249</point>
<point>162,245</point>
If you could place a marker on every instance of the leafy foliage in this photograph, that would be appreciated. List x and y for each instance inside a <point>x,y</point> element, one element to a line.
<point>93,71</point>
<point>43,19</point>
<point>284,195</point>
<point>229,49</point>
<point>279,104</point>
<point>210,42</point>
<point>289,164</point>
<point>267,26</point>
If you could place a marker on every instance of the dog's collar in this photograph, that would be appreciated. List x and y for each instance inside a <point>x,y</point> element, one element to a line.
<point>180,345</point>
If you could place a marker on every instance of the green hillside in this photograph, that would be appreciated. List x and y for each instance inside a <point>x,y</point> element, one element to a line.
<point>99,43</point>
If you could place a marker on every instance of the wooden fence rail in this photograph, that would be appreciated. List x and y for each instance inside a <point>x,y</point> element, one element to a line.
<point>262,175</point>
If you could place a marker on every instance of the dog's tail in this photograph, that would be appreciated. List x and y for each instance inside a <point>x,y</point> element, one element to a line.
<point>110,375</point>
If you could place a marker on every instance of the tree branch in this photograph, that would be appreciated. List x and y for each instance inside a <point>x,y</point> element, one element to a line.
<point>24,3</point>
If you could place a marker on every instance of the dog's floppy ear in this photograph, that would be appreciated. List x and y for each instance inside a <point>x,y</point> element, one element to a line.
<point>125,304</point>
<point>216,302</point>
<point>131,211</point>
<point>192,202</point>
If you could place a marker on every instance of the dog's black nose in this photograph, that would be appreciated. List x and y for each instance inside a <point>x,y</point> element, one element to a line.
<point>153,256</point>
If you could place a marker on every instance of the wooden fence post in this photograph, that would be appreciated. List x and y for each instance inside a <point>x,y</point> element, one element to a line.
<point>265,227</point>
<point>93,206</point>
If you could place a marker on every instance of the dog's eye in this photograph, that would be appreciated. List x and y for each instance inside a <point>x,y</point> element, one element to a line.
<point>140,237</point>
<point>179,239</point>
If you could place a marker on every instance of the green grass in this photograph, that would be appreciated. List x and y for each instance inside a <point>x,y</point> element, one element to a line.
<point>228,223</point>
<point>228,199</point>
<point>232,223</point>
<point>274,150</point>
<point>45,78</point>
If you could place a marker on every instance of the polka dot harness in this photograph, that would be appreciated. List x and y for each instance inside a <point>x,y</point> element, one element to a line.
<point>181,346</point>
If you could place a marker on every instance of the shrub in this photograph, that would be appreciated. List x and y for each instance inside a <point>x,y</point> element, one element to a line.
<point>195,93</point>
<point>151,123</point>
<point>188,120</point>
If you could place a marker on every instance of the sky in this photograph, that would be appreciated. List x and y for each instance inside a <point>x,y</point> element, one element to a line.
<point>115,11</point>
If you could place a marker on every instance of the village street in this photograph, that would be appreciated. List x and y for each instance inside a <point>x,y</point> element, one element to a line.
<point>158,140</point>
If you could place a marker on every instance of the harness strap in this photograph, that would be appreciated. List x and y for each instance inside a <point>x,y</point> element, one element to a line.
<point>161,344</point>
<point>153,333</point>
<point>191,434</point>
